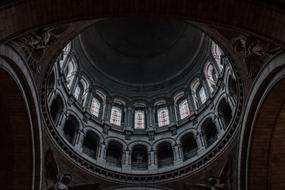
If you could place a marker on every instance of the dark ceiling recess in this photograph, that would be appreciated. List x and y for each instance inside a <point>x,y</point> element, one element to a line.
<point>141,50</point>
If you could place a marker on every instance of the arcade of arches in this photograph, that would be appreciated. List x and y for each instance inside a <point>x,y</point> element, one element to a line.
<point>142,95</point>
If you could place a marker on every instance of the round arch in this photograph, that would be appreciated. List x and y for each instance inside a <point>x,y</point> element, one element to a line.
<point>262,145</point>
<point>21,127</point>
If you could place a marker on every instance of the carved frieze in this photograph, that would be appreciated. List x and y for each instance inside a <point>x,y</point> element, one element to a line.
<point>34,45</point>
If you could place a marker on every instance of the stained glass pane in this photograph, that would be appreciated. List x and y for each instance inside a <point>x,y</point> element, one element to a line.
<point>139,119</point>
<point>217,52</point>
<point>77,92</point>
<point>163,117</point>
<point>202,95</point>
<point>211,76</point>
<point>95,107</point>
<point>65,53</point>
<point>184,109</point>
<point>116,116</point>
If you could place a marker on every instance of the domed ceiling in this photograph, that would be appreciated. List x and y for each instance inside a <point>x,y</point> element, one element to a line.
<point>141,51</point>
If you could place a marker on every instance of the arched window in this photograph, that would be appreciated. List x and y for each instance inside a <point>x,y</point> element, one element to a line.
<point>114,154</point>
<point>85,85</point>
<point>139,157</point>
<point>217,53</point>
<point>139,119</point>
<point>70,129</point>
<point>163,116</point>
<point>164,155</point>
<point>183,109</point>
<point>210,132</point>
<point>189,146</point>
<point>198,93</point>
<point>211,76</point>
<point>90,144</point>
<point>202,94</point>
<point>225,112</point>
<point>64,54</point>
<point>78,91</point>
<point>81,91</point>
<point>95,107</point>
<point>70,71</point>
<point>116,116</point>
<point>56,109</point>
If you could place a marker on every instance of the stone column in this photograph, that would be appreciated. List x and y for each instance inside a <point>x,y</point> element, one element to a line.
<point>177,154</point>
<point>200,143</point>
<point>152,163</point>
<point>151,117</point>
<point>107,113</point>
<point>79,140</point>
<point>190,101</point>
<point>130,116</point>
<point>101,153</point>
<point>61,122</point>
<point>171,111</point>
<point>127,160</point>
<point>51,97</point>
<point>219,125</point>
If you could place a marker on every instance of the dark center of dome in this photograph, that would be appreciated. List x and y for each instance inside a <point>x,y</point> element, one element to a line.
<point>143,37</point>
<point>141,51</point>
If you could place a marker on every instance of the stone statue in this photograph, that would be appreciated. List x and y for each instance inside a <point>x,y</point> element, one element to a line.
<point>222,182</point>
<point>54,181</point>
<point>35,44</point>
<point>253,51</point>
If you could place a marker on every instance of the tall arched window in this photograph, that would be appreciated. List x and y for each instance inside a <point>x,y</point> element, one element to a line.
<point>84,95</point>
<point>217,53</point>
<point>95,107</point>
<point>81,91</point>
<point>139,119</point>
<point>163,116</point>
<point>70,71</point>
<point>78,91</point>
<point>183,109</point>
<point>211,76</point>
<point>198,93</point>
<point>64,54</point>
<point>202,94</point>
<point>116,116</point>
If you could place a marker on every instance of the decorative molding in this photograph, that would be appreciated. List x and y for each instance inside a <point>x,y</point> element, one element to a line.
<point>34,45</point>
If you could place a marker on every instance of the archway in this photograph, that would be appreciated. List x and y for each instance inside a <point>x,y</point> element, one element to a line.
<point>114,154</point>
<point>210,132</point>
<point>262,154</point>
<point>189,146</point>
<point>139,157</point>
<point>17,134</point>
<point>165,155</point>
<point>70,129</point>
<point>90,144</point>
